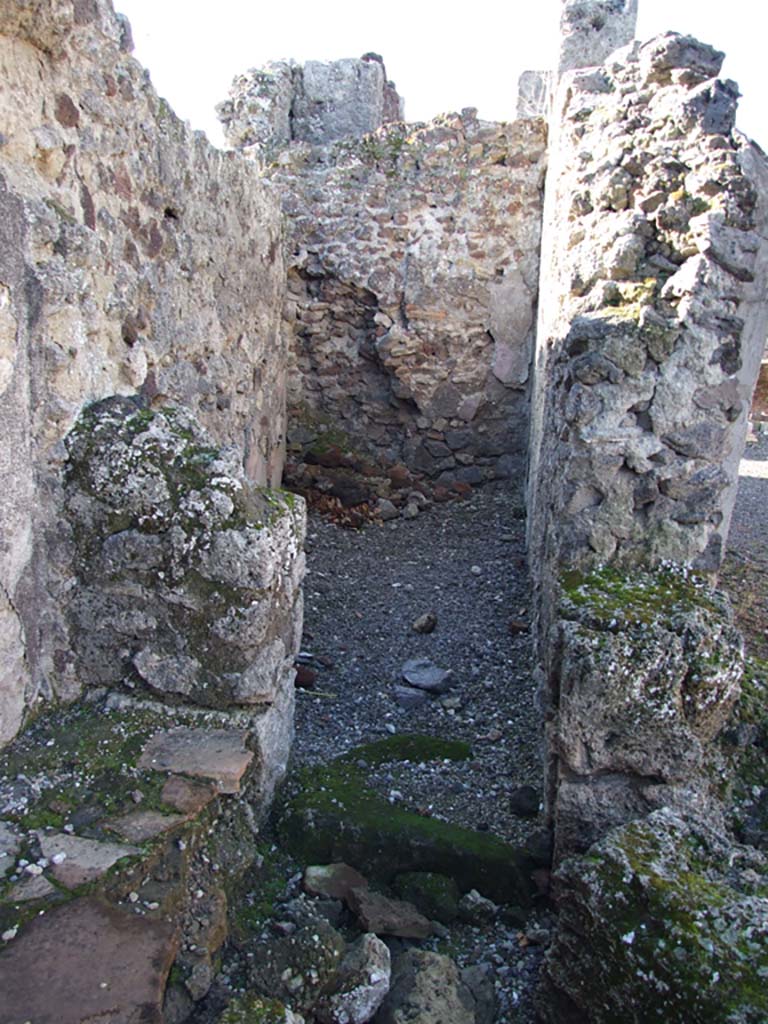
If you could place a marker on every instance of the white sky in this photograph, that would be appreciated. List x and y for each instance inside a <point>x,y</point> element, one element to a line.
<point>440,61</point>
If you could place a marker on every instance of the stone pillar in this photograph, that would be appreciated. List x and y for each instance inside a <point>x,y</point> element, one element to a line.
<point>651,327</point>
<point>590,30</point>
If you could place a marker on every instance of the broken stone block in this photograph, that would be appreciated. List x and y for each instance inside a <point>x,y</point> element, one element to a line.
<point>188,575</point>
<point>187,796</point>
<point>333,880</point>
<point>425,675</point>
<point>218,754</point>
<point>650,668</point>
<point>426,987</point>
<point>361,984</point>
<point>671,897</point>
<point>85,860</point>
<point>383,916</point>
<point>139,826</point>
<point>100,964</point>
<point>38,888</point>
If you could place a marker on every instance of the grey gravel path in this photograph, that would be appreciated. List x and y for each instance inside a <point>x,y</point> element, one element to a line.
<point>749,526</point>
<point>464,562</point>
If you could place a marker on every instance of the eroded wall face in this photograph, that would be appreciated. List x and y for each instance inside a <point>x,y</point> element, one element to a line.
<point>413,291</point>
<point>652,322</point>
<point>133,258</point>
<point>652,325</point>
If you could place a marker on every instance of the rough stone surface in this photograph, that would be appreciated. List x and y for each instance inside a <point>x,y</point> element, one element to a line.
<point>85,860</point>
<point>362,984</point>
<point>435,896</point>
<point>218,754</point>
<point>112,968</point>
<point>590,30</point>
<point>316,102</point>
<point>423,674</point>
<point>133,256</point>
<point>188,576</point>
<point>412,292</point>
<point>299,969</point>
<point>650,332</point>
<point>651,326</point>
<point>383,916</point>
<point>672,902</point>
<point>333,880</point>
<point>426,987</point>
<point>187,796</point>
<point>140,826</point>
<point>647,667</point>
<point>10,844</point>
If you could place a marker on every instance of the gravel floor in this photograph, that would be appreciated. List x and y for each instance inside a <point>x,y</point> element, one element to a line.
<point>465,563</point>
<point>749,526</point>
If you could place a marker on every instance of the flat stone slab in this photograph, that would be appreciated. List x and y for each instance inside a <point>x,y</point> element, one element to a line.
<point>29,889</point>
<point>84,860</point>
<point>138,826</point>
<point>187,796</point>
<point>218,754</point>
<point>335,881</point>
<point>383,916</point>
<point>425,675</point>
<point>87,962</point>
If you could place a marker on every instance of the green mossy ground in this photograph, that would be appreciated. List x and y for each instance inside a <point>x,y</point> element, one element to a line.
<point>435,896</point>
<point>331,815</point>
<point>85,757</point>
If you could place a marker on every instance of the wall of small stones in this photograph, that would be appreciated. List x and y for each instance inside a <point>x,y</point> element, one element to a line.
<point>654,320</point>
<point>650,335</point>
<point>134,258</point>
<point>414,258</point>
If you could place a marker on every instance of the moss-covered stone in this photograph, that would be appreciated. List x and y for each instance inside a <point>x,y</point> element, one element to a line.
<point>436,896</point>
<point>252,1009</point>
<point>664,920</point>
<point>332,816</point>
<point>187,574</point>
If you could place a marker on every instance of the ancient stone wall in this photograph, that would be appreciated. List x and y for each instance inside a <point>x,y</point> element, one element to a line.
<point>591,30</point>
<point>413,290</point>
<point>317,102</point>
<point>652,324</point>
<point>134,257</point>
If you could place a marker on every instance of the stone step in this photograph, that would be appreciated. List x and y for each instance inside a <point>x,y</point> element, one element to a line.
<point>120,831</point>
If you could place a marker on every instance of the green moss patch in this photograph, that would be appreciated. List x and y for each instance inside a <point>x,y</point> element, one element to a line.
<point>408,747</point>
<point>332,816</point>
<point>609,597</point>
<point>669,932</point>
<point>253,1010</point>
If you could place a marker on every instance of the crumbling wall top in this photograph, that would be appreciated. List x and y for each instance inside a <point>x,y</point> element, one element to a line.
<point>317,102</point>
<point>590,30</point>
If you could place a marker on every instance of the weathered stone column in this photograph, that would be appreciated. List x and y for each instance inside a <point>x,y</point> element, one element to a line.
<point>590,30</point>
<point>650,332</point>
